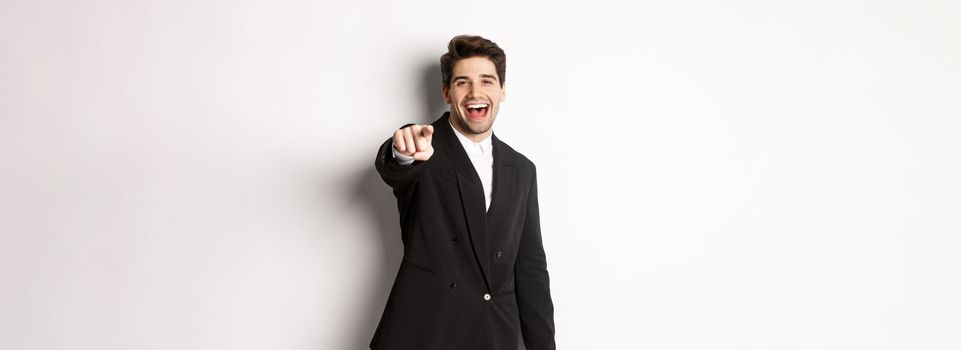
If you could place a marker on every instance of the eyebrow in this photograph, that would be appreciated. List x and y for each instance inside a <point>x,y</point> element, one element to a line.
<point>459,77</point>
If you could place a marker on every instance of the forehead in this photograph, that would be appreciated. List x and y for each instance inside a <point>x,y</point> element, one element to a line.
<point>474,67</point>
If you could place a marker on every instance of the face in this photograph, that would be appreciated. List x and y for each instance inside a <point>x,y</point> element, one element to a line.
<point>474,96</point>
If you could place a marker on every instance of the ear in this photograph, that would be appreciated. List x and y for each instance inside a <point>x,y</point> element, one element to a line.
<point>444,89</point>
<point>503,92</point>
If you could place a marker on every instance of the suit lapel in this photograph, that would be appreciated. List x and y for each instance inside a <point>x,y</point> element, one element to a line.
<point>503,184</point>
<point>471,194</point>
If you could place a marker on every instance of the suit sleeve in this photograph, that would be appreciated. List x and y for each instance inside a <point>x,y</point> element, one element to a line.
<point>532,283</point>
<point>395,174</point>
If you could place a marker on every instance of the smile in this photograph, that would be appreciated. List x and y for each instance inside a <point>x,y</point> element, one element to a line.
<point>477,111</point>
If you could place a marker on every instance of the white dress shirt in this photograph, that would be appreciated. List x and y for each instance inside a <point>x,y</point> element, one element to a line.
<point>481,155</point>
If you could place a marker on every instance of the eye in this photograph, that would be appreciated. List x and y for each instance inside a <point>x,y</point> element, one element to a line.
<point>459,83</point>
<point>488,82</point>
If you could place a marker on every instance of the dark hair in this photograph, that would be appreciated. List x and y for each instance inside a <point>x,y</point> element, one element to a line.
<point>467,46</point>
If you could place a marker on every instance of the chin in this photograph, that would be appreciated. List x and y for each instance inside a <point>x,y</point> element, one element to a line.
<point>480,127</point>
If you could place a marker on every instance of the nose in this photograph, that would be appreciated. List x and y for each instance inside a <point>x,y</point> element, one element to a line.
<point>474,91</point>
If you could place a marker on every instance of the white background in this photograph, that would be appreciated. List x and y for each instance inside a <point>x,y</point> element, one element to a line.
<point>713,175</point>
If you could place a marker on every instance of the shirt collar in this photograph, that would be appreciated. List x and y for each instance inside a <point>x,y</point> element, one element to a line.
<point>467,143</point>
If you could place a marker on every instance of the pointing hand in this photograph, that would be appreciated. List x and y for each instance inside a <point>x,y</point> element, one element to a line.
<point>415,141</point>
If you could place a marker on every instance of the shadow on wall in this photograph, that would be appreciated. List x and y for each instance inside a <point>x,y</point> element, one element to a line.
<point>376,197</point>
<point>434,104</point>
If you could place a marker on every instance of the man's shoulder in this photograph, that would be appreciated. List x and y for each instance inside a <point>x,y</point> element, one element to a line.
<point>516,157</point>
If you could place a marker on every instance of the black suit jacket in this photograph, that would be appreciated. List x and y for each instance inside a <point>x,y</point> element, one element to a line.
<point>455,253</point>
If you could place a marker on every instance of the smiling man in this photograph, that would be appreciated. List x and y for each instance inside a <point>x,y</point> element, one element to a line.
<point>474,273</point>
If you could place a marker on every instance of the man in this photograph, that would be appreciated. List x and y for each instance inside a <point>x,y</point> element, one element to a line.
<point>474,273</point>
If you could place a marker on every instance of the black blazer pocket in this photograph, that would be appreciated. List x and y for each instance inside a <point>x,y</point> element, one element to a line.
<point>418,266</point>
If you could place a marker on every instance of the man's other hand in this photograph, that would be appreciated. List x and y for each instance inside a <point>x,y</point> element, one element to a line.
<point>415,141</point>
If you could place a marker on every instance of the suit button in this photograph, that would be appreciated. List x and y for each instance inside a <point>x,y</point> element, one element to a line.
<point>453,284</point>
<point>498,254</point>
<point>487,296</point>
<point>455,240</point>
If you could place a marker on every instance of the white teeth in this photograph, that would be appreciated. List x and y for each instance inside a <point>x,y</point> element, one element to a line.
<point>477,105</point>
